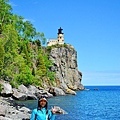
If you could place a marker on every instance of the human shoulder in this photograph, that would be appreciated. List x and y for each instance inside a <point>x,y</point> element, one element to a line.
<point>35,110</point>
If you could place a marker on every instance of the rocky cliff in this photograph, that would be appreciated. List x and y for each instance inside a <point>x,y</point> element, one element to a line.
<point>68,78</point>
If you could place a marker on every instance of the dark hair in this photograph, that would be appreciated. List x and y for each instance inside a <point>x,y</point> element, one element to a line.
<point>39,106</point>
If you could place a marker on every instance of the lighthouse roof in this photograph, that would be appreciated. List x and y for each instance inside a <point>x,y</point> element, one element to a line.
<point>60,31</point>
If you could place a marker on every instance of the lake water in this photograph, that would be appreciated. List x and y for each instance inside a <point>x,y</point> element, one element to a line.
<point>97,103</point>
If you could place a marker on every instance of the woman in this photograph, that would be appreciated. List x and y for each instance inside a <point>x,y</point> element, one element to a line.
<point>42,113</point>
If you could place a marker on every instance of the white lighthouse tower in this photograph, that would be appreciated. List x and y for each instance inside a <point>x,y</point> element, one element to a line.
<point>60,36</point>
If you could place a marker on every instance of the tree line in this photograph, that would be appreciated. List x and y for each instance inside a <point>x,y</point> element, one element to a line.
<point>22,57</point>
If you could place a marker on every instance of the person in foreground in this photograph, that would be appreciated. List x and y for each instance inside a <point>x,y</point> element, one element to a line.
<point>42,112</point>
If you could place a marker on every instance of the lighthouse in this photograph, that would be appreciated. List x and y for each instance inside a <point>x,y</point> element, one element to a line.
<point>59,40</point>
<point>60,36</point>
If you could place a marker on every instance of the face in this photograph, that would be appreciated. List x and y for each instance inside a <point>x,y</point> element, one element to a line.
<point>42,103</point>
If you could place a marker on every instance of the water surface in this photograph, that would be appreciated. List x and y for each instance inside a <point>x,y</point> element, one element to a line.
<point>95,103</point>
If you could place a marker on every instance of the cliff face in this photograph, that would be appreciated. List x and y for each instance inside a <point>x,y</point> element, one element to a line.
<point>65,66</point>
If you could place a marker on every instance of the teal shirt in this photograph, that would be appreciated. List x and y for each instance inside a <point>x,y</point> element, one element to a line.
<point>41,114</point>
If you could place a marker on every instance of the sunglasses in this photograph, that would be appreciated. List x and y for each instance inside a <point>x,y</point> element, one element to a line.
<point>43,96</point>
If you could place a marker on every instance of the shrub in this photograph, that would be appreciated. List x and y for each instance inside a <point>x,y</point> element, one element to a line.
<point>51,75</point>
<point>0,88</point>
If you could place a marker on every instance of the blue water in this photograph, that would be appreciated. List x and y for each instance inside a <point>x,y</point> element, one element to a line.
<point>97,103</point>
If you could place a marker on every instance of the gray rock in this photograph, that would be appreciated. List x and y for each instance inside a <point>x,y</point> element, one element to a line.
<point>32,89</point>
<point>23,93</point>
<point>30,94</point>
<point>81,87</point>
<point>31,97</point>
<point>49,95</point>
<point>18,95</point>
<point>66,68</point>
<point>59,91</point>
<point>7,89</point>
<point>23,89</point>
<point>59,110</point>
<point>25,110</point>
<point>4,118</point>
<point>3,110</point>
<point>56,91</point>
<point>43,92</point>
<point>9,112</point>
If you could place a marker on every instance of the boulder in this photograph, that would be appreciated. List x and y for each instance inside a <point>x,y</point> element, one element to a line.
<point>30,94</point>
<point>3,110</point>
<point>81,87</point>
<point>59,91</point>
<point>56,91</point>
<point>37,92</point>
<point>18,95</point>
<point>31,97</point>
<point>18,115</point>
<point>9,110</point>
<point>7,89</point>
<point>32,89</point>
<point>4,118</point>
<point>59,110</point>
<point>69,91</point>
<point>25,110</point>
<point>49,95</point>
<point>23,89</point>
<point>72,87</point>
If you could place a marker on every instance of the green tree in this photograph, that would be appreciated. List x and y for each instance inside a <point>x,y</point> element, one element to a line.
<point>41,68</point>
<point>48,64</point>
<point>5,14</point>
<point>28,30</point>
<point>22,57</point>
<point>2,52</point>
<point>41,37</point>
<point>9,48</point>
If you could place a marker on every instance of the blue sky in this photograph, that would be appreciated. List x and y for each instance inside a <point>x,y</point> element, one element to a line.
<point>91,26</point>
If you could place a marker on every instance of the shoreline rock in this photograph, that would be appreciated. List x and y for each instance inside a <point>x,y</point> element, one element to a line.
<point>32,92</point>
<point>10,110</point>
<point>6,89</point>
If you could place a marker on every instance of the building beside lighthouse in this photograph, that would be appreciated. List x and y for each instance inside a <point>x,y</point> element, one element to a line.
<point>59,40</point>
